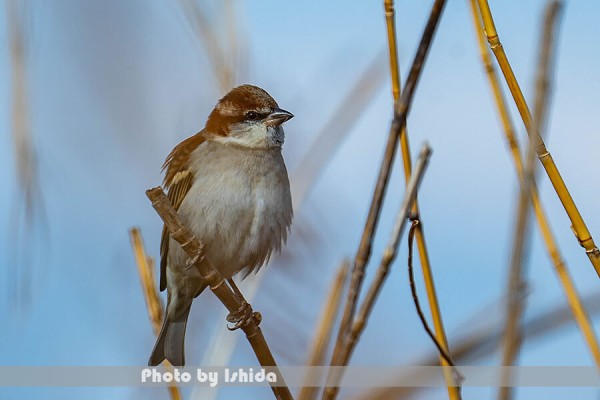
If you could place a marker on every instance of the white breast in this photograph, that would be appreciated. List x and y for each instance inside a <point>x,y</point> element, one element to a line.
<point>239,206</point>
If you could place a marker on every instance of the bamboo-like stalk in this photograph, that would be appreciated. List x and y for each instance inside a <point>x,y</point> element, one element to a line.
<point>325,328</point>
<point>390,24</point>
<point>440,334</point>
<point>473,345</point>
<point>560,267</point>
<point>578,225</point>
<point>516,288</point>
<point>389,254</point>
<point>234,303</point>
<point>153,303</point>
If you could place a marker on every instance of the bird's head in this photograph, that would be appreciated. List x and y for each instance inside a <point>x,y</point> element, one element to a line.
<point>248,116</point>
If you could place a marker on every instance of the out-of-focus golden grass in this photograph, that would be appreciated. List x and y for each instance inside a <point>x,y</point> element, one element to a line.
<point>225,56</point>
<point>26,164</point>
<point>322,338</point>
<point>145,267</point>
<point>30,203</point>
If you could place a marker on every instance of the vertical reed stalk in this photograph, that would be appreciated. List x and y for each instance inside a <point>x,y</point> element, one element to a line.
<point>573,298</point>
<point>577,223</point>
<point>516,288</point>
<point>419,235</point>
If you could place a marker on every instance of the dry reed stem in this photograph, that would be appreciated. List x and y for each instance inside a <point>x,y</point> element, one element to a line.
<point>236,305</point>
<point>389,255</point>
<point>407,164</point>
<point>578,225</point>
<point>322,337</point>
<point>155,309</point>
<point>517,285</point>
<point>329,138</point>
<point>476,344</point>
<point>390,24</point>
<point>573,298</point>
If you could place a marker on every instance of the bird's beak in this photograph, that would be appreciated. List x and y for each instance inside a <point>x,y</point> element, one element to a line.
<point>278,117</point>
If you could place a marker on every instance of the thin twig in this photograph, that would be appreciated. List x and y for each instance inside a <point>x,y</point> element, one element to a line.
<point>517,284</point>
<point>458,377</point>
<point>155,309</point>
<point>388,257</point>
<point>236,306</point>
<point>399,121</point>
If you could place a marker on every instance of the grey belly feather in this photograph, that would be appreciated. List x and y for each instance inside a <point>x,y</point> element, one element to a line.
<point>239,206</point>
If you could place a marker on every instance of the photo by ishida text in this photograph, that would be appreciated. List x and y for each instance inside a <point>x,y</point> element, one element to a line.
<point>208,377</point>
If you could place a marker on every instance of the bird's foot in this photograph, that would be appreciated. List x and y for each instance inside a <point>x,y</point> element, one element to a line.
<point>243,316</point>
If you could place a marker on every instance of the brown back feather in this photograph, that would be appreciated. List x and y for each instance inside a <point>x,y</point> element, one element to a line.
<point>178,181</point>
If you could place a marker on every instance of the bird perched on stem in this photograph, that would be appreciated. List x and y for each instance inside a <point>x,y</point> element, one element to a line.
<point>230,187</point>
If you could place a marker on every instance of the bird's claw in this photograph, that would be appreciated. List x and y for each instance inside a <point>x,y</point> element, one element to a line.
<point>242,316</point>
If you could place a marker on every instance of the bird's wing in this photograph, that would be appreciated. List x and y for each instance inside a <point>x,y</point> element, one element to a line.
<point>178,181</point>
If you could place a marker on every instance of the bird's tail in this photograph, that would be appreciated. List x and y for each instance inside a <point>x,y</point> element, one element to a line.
<point>171,340</point>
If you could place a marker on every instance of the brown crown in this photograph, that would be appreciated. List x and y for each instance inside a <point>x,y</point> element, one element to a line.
<point>233,107</point>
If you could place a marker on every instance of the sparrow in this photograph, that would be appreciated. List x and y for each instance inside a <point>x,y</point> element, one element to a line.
<point>230,187</point>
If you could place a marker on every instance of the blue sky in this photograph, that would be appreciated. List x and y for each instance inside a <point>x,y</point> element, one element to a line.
<point>113,86</point>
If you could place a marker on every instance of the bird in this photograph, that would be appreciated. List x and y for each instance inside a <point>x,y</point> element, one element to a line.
<point>230,187</point>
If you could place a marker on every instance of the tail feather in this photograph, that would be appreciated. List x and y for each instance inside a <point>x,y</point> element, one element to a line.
<point>171,340</point>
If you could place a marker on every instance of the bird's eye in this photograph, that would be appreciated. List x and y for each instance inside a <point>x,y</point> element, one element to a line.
<point>252,115</point>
